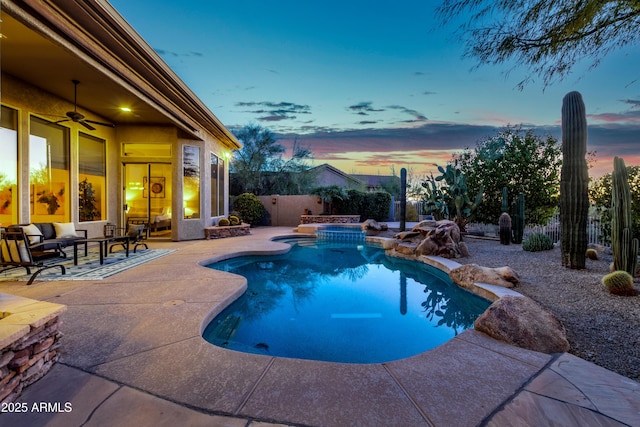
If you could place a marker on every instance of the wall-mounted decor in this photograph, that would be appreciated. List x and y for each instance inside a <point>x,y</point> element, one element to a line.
<point>154,187</point>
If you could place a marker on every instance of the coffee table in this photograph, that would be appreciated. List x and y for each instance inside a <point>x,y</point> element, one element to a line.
<point>103,243</point>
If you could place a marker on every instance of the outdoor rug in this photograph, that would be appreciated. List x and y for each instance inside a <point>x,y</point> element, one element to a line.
<point>89,267</point>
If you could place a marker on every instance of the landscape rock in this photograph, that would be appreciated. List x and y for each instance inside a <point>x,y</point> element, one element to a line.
<point>467,275</point>
<point>373,225</point>
<point>440,238</point>
<point>522,322</point>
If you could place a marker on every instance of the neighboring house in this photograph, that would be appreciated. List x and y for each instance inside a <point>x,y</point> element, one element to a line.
<point>326,175</point>
<point>138,142</point>
<point>389,183</point>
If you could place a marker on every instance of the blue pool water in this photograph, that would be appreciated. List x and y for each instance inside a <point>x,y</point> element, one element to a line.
<point>341,302</point>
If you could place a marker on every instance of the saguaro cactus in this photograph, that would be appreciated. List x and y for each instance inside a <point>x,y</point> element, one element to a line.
<point>574,178</point>
<point>623,245</point>
<point>518,220</point>
<point>505,200</point>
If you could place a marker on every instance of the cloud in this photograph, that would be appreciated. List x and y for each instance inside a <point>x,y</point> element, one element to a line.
<point>417,117</point>
<point>363,108</point>
<point>631,116</point>
<point>635,103</point>
<point>163,52</point>
<point>421,146</point>
<point>274,111</point>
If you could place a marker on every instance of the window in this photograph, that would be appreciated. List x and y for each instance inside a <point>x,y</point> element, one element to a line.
<point>217,185</point>
<point>8,166</point>
<point>191,181</point>
<point>91,178</point>
<point>48,171</point>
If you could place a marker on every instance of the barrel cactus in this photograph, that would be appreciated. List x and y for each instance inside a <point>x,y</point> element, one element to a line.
<point>223,222</point>
<point>591,254</point>
<point>537,242</point>
<point>504,223</point>
<point>623,245</point>
<point>574,179</point>
<point>234,220</point>
<point>619,283</point>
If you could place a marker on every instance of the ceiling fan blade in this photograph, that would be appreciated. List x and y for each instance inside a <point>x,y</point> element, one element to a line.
<point>87,125</point>
<point>60,121</point>
<point>111,125</point>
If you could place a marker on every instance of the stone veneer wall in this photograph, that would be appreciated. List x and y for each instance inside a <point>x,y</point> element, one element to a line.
<point>329,219</point>
<point>220,232</point>
<point>29,342</point>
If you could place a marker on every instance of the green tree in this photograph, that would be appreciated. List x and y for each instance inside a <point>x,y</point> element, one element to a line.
<point>523,162</point>
<point>547,37</point>
<point>258,167</point>
<point>600,196</point>
<point>329,194</point>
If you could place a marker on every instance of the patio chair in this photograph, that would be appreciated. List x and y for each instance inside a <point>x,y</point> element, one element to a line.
<point>134,234</point>
<point>16,252</point>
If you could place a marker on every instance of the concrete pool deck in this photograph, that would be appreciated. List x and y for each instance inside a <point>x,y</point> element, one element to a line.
<point>133,355</point>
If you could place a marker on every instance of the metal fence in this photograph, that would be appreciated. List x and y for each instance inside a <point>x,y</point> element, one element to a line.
<point>416,211</point>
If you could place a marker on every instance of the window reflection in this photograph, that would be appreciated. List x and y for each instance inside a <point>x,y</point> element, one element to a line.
<point>91,178</point>
<point>48,171</point>
<point>191,184</point>
<point>8,166</point>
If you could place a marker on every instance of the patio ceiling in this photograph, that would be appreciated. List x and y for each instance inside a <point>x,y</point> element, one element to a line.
<point>32,58</point>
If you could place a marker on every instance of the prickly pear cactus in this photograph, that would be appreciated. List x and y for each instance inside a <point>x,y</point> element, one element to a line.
<point>574,179</point>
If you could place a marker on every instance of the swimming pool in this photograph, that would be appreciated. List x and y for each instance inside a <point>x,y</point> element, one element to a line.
<point>341,302</point>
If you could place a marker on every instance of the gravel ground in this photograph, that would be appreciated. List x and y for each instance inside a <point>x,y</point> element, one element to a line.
<point>601,327</point>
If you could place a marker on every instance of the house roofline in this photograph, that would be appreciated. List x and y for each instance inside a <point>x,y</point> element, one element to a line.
<point>113,48</point>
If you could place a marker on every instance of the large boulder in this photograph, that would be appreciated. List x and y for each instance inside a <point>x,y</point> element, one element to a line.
<point>467,275</point>
<point>441,238</point>
<point>522,322</point>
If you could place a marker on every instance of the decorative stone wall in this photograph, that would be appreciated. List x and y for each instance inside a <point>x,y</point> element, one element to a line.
<point>329,219</point>
<point>29,342</point>
<point>220,232</point>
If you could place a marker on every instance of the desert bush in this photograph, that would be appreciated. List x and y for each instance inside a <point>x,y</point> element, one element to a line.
<point>249,207</point>
<point>537,242</point>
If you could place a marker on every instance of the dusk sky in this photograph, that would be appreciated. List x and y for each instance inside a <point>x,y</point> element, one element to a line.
<point>367,86</point>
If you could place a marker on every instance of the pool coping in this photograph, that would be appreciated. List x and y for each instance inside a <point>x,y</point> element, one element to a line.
<point>138,332</point>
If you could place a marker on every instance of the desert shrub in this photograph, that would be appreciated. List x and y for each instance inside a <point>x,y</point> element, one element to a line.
<point>249,207</point>
<point>619,283</point>
<point>223,222</point>
<point>537,242</point>
<point>373,205</point>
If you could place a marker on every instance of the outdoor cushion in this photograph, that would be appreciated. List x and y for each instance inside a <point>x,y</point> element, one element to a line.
<point>10,252</point>
<point>65,230</point>
<point>33,233</point>
<point>48,232</point>
<point>135,230</point>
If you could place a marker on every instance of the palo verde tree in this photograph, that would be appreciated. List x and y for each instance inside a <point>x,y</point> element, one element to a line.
<point>546,37</point>
<point>259,168</point>
<point>522,162</point>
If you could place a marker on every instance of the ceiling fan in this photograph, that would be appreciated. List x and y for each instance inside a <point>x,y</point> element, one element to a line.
<point>77,117</point>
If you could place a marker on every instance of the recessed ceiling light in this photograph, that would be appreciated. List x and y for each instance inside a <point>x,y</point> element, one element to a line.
<point>125,109</point>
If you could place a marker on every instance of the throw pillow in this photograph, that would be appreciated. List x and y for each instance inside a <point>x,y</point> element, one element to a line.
<point>33,233</point>
<point>65,230</point>
<point>135,230</point>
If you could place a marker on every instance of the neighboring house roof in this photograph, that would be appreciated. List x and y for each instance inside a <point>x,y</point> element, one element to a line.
<point>48,43</point>
<point>327,175</point>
